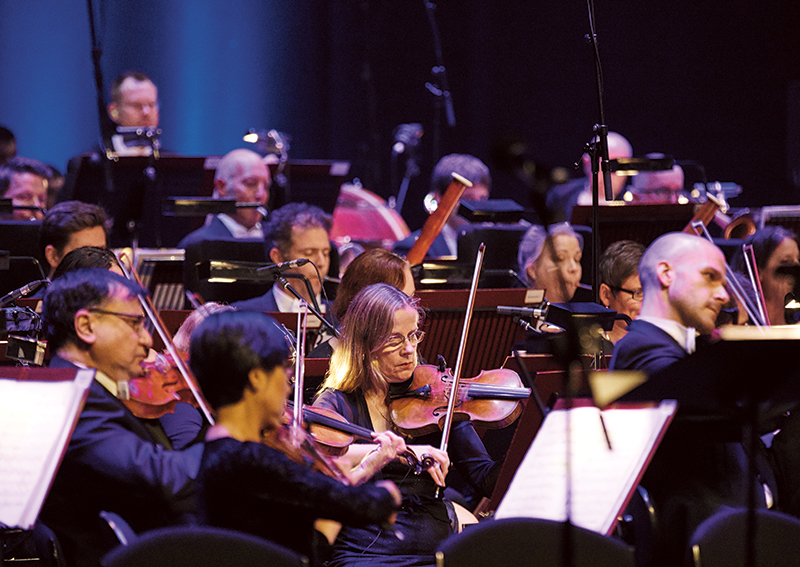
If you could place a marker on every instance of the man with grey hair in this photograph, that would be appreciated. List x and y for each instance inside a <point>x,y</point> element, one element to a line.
<point>241,175</point>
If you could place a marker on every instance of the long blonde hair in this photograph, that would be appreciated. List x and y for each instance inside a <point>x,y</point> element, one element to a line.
<point>367,325</point>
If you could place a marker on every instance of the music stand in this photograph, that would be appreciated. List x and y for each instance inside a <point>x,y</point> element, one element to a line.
<point>137,198</point>
<point>720,397</point>
<point>641,223</point>
<point>237,250</point>
<point>310,181</point>
<point>446,310</point>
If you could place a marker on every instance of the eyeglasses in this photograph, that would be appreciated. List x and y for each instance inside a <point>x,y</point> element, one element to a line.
<point>636,295</point>
<point>398,341</point>
<point>136,322</point>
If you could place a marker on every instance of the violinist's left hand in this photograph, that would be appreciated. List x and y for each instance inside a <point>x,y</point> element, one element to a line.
<point>389,446</point>
<point>441,461</point>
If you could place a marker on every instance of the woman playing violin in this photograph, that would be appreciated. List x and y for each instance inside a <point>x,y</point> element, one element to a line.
<point>240,361</point>
<point>376,358</point>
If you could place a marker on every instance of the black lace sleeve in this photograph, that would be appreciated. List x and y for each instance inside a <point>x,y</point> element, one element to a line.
<point>262,474</point>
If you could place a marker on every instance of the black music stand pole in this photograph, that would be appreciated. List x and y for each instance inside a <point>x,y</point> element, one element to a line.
<point>313,308</point>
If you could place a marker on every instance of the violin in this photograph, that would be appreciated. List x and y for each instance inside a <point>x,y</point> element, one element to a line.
<point>299,446</point>
<point>334,434</point>
<point>491,399</point>
<point>159,390</point>
<point>140,405</point>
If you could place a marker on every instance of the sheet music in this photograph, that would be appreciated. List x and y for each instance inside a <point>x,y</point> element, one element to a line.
<point>602,478</point>
<point>36,421</point>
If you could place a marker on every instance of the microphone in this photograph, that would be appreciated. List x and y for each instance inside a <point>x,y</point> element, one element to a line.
<point>406,137</point>
<point>536,312</point>
<point>21,292</point>
<point>283,266</point>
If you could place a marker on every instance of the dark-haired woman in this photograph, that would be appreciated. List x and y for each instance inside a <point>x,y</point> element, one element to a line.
<point>240,361</point>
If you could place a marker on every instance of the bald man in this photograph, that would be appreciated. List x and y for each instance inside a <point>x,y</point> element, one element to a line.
<point>694,473</point>
<point>562,198</point>
<point>243,176</point>
<point>683,280</point>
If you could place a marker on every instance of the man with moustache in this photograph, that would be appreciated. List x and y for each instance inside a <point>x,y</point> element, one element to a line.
<point>683,282</point>
<point>114,461</point>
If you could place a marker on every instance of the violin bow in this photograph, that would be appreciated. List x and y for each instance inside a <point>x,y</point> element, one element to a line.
<point>733,284</point>
<point>299,360</point>
<point>451,404</point>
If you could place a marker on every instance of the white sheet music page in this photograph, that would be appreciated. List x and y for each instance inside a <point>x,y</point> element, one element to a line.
<point>600,478</point>
<point>36,421</point>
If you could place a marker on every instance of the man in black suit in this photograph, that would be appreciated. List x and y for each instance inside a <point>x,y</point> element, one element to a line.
<point>241,175</point>
<point>115,461</point>
<point>683,280</point>
<point>694,472</point>
<point>129,196</point>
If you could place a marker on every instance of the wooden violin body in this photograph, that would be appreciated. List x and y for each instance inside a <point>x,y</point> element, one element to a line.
<point>491,399</point>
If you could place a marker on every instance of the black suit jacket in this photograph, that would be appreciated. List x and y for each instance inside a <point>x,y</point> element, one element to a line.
<point>215,230</point>
<point>694,471</point>
<point>646,348</point>
<point>264,303</point>
<point>114,463</point>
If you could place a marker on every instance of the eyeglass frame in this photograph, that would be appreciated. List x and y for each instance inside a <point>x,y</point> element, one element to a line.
<point>633,293</point>
<point>137,325</point>
<point>419,333</point>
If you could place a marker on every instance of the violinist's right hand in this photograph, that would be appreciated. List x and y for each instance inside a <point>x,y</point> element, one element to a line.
<point>441,461</point>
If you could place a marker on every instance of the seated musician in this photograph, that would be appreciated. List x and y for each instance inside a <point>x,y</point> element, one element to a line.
<point>240,360</point>
<point>654,187</point>
<point>561,199</point>
<point>241,175</point>
<point>114,461</point>
<point>24,181</point>
<point>373,266</point>
<point>691,476</point>
<point>476,172</point>
<point>70,225</point>
<point>773,247</point>
<point>552,260</point>
<point>620,288</point>
<point>376,357</point>
<point>295,231</point>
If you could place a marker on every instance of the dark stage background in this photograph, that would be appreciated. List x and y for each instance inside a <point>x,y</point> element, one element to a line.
<point>715,81</point>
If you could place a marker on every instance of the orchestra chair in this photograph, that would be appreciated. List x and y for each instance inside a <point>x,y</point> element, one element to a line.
<point>117,531</point>
<point>533,542</point>
<point>201,546</point>
<point>721,540</point>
